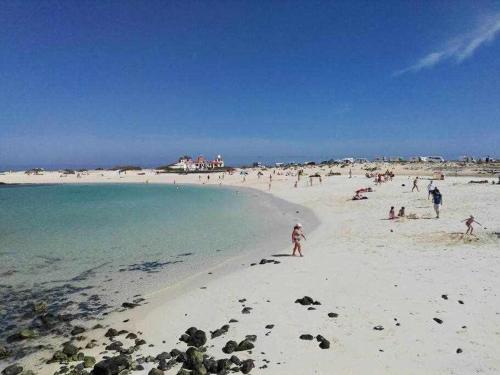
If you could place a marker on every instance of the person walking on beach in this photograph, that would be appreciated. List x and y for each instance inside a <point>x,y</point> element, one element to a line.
<point>468,223</point>
<point>350,173</point>
<point>437,199</point>
<point>297,235</point>
<point>430,187</point>
<point>415,184</point>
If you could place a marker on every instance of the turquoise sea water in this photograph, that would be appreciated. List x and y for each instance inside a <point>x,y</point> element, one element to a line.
<point>64,243</point>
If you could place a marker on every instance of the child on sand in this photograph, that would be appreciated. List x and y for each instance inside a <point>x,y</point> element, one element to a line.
<point>401,212</point>
<point>468,223</point>
<point>392,215</point>
<point>296,237</point>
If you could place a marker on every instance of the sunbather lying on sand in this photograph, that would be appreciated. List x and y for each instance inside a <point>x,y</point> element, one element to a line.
<point>358,197</point>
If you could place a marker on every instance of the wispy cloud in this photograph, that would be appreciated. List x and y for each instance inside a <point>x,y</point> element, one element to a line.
<point>460,48</point>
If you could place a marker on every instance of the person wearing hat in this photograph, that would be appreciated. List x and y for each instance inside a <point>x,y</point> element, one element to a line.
<point>297,235</point>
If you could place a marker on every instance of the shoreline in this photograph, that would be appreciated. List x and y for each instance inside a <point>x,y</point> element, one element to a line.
<point>358,269</point>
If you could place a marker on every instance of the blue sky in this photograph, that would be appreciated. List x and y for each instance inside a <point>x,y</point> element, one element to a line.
<point>101,83</point>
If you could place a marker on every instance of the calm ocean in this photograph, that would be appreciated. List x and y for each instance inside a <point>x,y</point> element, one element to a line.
<point>84,249</point>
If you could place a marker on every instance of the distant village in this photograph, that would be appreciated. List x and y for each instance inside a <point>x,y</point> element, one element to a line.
<point>200,164</point>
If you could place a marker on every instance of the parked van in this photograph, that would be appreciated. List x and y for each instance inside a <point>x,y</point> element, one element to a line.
<point>435,159</point>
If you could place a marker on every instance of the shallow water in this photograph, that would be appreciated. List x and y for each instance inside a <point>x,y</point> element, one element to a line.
<point>86,248</point>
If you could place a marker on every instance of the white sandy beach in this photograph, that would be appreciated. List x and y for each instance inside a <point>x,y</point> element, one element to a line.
<point>370,271</point>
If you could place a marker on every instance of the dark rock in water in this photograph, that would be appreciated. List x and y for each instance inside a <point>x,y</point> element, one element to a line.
<point>311,308</point>
<point>155,371</point>
<point>12,369</point>
<point>247,366</point>
<point>113,365</point>
<point>323,343</point>
<point>139,342</point>
<point>77,330</point>
<point>306,337</point>
<point>58,356</point>
<point>244,345</point>
<point>111,333</point>
<point>235,360</point>
<point>23,334</point>
<point>131,336</point>
<point>230,347</point>
<point>88,361</point>
<point>246,310</point>
<point>333,315</point>
<point>40,307</point>
<point>49,321</point>
<point>460,302</point>
<point>115,345</point>
<point>270,326</point>
<point>437,320</point>
<point>4,352</point>
<point>378,328</point>
<point>459,351</point>
<point>130,305</point>
<point>242,300</point>
<point>98,326</point>
<point>163,355</point>
<point>69,349</point>
<point>444,296</point>
<point>233,321</point>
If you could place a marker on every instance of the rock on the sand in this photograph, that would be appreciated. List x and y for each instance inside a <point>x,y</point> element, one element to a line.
<point>113,365</point>
<point>12,369</point>
<point>306,337</point>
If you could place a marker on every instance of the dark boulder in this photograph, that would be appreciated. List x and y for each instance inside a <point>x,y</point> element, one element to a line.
<point>244,345</point>
<point>113,365</point>
<point>247,366</point>
<point>115,345</point>
<point>77,330</point>
<point>230,347</point>
<point>306,337</point>
<point>12,369</point>
<point>69,349</point>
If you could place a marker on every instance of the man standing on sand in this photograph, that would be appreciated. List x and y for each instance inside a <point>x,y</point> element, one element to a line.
<point>437,199</point>
<point>415,184</point>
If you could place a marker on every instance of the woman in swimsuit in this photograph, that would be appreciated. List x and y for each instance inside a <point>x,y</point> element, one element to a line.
<point>296,237</point>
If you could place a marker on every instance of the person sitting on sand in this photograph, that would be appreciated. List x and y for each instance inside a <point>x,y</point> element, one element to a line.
<point>401,212</point>
<point>297,235</point>
<point>415,184</point>
<point>392,215</point>
<point>468,223</point>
